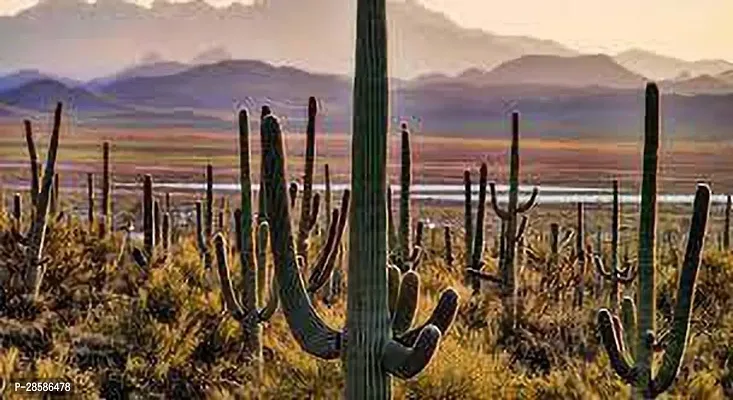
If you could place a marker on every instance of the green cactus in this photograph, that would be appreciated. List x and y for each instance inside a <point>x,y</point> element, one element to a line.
<point>448,241</point>
<point>17,211</point>
<point>309,202</point>
<point>406,256</point>
<point>148,216</point>
<point>637,333</point>
<point>468,215</point>
<point>209,209</point>
<point>106,222</point>
<point>327,196</point>
<point>616,275</point>
<point>36,236</point>
<point>391,230</point>
<point>201,242</point>
<point>513,231</point>
<point>54,206</point>
<point>33,160</point>
<point>165,234</point>
<point>90,200</point>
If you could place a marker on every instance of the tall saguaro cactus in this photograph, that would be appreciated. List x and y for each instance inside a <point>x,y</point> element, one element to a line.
<point>580,256</point>
<point>37,234</point>
<point>148,216</point>
<point>371,351</point>
<point>90,200</point>
<point>646,381</point>
<point>513,230</point>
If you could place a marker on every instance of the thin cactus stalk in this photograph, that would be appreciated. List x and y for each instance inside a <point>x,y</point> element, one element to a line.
<point>617,275</point>
<point>54,207</point>
<point>148,217</point>
<point>293,193</point>
<point>165,238</point>
<point>209,209</point>
<point>34,269</point>
<point>33,160</point>
<point>157,222</point>
<point>637,368</point>
<point>726,227</point>
<point>327,196</point>
<point>309,205</point>
<point>17,210</point>
<point>391,229</point>
<point>90,200</point>
<point>467,215</point>
<point>106,222</point>
<point>580,256</point>
<point>514,230</point>
<point>448,241</point>
<point>201,237</point>
<point>405,225</point>
<point>2,201</point>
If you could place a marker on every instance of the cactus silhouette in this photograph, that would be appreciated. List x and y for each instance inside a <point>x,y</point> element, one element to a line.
<point>36,236</point>
<point>513,231</point>
<point>309,202</point>
<point>106,222</point>
<point>634,336</point>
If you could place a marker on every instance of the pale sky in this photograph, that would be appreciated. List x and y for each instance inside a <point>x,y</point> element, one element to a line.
<point>688,29</point>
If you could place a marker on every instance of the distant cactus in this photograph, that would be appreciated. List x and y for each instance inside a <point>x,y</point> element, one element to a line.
<point>209,205</point>
<point>106,221</point>
<point>448,241</point>
<point>514,230</point>
<point>618,335</point>
<point>726,227</point>
<point>293,192</point>
<point>36,236</point>
<point>468,215</point>
<point>406,256</point>
<point>165,235</point>
<point>90,200</point>
<point>617,274</point>
<point>17,211</point>
<point>580,257</point>
<point>201,241</point>
<point>148,216</point>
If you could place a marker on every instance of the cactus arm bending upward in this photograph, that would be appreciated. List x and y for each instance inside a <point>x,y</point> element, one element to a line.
<point>309,330</point>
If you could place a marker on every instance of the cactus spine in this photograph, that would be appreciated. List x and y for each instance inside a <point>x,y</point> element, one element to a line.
<point>647,383</point>
<point>513,230</point>
<point>617,274</point>
<point>370,351</point>
<point>36,236</point>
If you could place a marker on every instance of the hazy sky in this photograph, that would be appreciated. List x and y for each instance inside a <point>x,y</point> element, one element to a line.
<point>690,29</point>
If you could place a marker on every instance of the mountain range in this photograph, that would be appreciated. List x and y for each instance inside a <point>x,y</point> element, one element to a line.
<point>581,96</point>
<point>87,40</point>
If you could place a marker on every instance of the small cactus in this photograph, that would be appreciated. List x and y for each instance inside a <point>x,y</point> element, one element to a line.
<point>447,239</point>
<point>90,200</point>
<point>726,227</point>
<point>106,222</point>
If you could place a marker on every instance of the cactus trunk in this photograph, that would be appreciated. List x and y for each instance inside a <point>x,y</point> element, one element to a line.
<point>106,222</point>
<point>148,217</point>
<point>90,200</point>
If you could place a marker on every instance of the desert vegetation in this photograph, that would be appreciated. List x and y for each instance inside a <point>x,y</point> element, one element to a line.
<point>237,297</point>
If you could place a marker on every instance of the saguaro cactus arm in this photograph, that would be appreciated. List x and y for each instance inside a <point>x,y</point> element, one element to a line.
<point>326,260</point>
<point>442,318</point>
<point>406,303</point>
<point>309,330</point>
<point>685,294</point>
<point>406,362</point>
<point>33,159</point>
<point>614,346</point>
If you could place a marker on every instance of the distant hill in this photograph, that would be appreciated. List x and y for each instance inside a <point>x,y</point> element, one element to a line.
<point>43,94</point>
<point>158,68</point>
<point>703,84</point>
<point>551,104</point>
<point>656,66</point>
<point>726,76</point>
<point>21,77</point>
<point>580,71</point>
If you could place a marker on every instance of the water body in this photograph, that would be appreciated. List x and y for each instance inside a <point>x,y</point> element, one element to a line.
<point>454,193</point>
